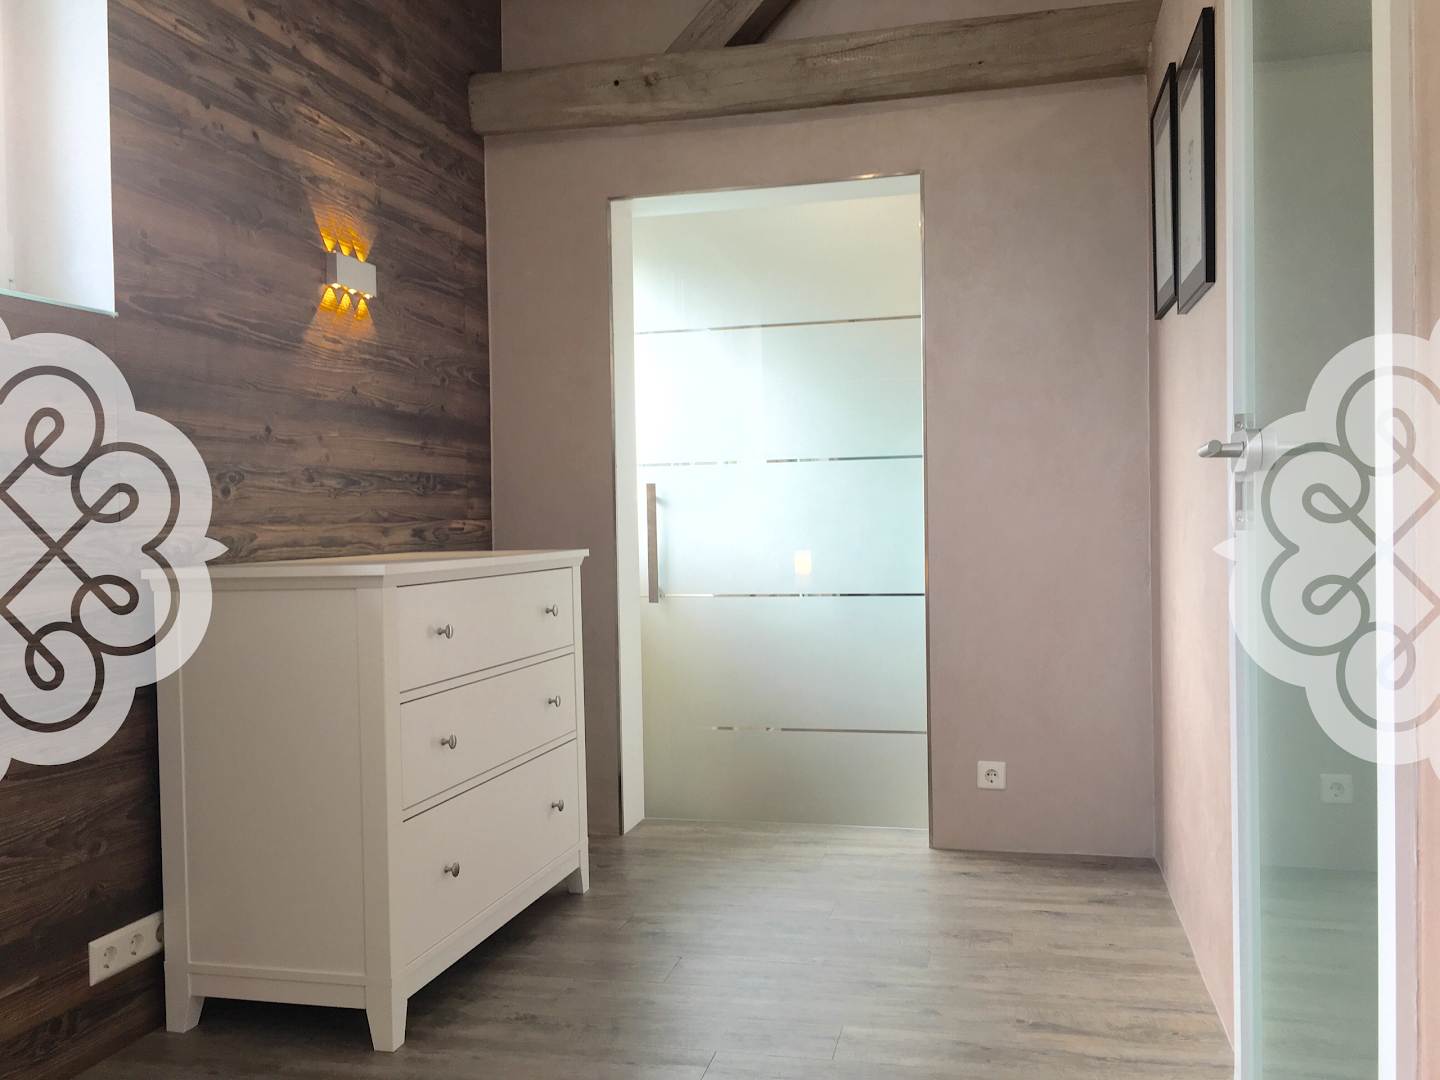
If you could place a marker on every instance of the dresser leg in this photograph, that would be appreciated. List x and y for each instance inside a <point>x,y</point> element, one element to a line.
<point>182,1009</point>
<point>385,1010</point>
<point>579,879</point>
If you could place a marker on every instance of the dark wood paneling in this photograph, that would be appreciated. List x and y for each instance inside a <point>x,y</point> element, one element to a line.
<point>114,1014</point>
<point>240,129</point>
<point>79,857</point>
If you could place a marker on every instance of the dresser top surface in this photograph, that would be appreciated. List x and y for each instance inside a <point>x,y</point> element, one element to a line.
<point>403,567</point>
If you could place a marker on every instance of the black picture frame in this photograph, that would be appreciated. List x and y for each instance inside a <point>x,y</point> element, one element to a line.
<point>1195,160</point>
<point>1164,155</point>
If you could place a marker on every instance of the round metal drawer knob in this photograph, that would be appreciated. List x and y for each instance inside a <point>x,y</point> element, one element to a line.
<point>553,609</point>
<point>453,869</point>
<point>553,701</point>
<point>451,742</point>
<point>558,804</point>
<point>447,631</point>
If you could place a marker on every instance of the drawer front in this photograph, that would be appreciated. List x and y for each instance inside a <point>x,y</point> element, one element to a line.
<point>449,737</point>
<point>499,834</point>
<point>452,628</point>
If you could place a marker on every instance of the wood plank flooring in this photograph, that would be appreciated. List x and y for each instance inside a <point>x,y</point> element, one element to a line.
<point>776,952</point>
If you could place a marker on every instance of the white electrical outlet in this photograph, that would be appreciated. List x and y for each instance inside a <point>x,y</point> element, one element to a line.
<point>1337,788</point>
<point>990,775</point>
<point>126,947</point>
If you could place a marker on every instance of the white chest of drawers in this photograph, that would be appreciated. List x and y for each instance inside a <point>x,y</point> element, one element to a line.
<point>368,766</point>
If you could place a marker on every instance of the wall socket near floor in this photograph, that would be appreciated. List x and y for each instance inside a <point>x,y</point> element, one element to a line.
<point>990,775</point>
<point>1337,788</point>
<point>126,947</point>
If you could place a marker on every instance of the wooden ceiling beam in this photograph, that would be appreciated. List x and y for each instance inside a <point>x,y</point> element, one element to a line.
<point>1032,49</point>
<point>729,22</point>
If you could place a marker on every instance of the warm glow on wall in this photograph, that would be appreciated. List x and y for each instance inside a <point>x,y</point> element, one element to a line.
<point>343,302</point>
<point>344,240</point>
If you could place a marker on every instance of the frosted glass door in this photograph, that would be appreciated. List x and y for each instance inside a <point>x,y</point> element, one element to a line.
<point>779,418</point>
<point>1309,917</point>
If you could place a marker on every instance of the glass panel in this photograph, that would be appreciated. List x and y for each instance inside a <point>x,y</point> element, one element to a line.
<point>797,663</point>
<point>779,417</point>
<point>842,260</point>
<point>739,692</point>
<point>822,777</point>
<point>807,527</point>
<point>836,390</point>
<point>1312,896</point>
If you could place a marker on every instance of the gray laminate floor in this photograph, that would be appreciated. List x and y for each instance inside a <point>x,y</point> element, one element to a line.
<point>776,952</point>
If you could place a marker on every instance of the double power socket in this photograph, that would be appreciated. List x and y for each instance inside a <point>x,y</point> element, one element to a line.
<point>126,947</point>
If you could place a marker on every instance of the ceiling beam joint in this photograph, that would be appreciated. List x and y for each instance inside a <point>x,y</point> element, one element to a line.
<point>729,22</point>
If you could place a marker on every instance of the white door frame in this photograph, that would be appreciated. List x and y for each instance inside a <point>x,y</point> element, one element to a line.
<point>1398,817</point>
<point>1236,54</point>
<point>628,585</point>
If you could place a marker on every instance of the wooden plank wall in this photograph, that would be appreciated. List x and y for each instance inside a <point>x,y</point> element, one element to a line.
<point>240,130</point>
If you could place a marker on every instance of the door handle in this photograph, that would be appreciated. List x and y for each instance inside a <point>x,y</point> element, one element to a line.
<point>1216,448</point>
<point>1245,450</point>
<point>652,544</point>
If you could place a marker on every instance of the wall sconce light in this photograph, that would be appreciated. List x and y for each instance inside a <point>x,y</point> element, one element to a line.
<point>349,274</point>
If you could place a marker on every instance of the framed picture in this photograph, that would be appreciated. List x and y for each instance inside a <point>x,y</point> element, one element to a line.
<point>1195,162</point>
<point>1164,146</point>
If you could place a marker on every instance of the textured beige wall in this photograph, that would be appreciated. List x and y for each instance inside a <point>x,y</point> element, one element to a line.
<point>813,18</point>
<point>1037,282</point>
<point>1427,161</point>
<point>1192,624</point>
<point>537,33</point>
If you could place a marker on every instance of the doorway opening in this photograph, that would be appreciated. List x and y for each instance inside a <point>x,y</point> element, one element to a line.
<point>770,489</point>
